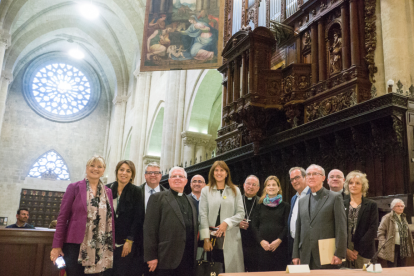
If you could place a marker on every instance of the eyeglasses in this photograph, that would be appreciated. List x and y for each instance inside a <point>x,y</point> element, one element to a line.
<point>253,185</point>
<point>154,173</point>
<point>313,174</point>
<point>178,176</point>
<point>336,176</point>
<point>295,178</point>
<point>198,181</point>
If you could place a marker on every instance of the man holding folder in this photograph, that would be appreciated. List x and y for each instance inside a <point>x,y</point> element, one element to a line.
<point>321,216</point>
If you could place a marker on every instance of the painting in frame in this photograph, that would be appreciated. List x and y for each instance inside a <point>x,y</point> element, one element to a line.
<point>182,35</point>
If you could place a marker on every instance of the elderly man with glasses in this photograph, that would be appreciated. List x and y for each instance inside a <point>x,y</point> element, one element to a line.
<point>170,229</point>
<point>297,177</point>
<point>250,201</point>
<point>321,215</point>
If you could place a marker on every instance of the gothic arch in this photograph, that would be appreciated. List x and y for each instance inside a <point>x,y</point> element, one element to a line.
<point>50,163</point>
<point>154,137</point>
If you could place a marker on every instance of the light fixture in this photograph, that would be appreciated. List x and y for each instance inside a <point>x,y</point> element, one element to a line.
<point>89,11</point>
<point>76,53</point>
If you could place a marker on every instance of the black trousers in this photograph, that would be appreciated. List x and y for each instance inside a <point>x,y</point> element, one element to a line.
<point>71,252</point>
<point>185,268</point>
<point>398,262</point>
<point>123,266</point>
<point>250,258</point>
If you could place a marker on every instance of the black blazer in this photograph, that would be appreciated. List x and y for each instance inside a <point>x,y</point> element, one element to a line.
<point>164,230</point>
<point>194,201</point>
<point>367,226</point>
<point>128,221</point>
<point>141,191</point>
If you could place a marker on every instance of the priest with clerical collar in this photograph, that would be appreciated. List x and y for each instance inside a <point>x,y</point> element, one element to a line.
<point>250,200</point>
<point>171,218</point>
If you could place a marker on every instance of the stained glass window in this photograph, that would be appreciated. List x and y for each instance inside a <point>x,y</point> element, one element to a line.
<point>61,89</point>
<point>48,164</point>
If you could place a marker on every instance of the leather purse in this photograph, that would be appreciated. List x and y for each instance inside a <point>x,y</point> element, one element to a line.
<point>218,243</point>
<point>207,268</point>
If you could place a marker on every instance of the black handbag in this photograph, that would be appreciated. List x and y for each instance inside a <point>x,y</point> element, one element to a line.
<point>217,243</point>
<point>207,268</point>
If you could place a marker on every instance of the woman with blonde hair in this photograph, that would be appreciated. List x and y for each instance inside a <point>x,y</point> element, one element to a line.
<point>362,219</point>
<point>270,227</point>
<point>85,230</point>
<point>221,206</point>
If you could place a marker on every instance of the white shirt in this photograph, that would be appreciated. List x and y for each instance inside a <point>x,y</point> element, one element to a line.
<point>397,232</point>
<point>148,193</point>
<point>295,211</point>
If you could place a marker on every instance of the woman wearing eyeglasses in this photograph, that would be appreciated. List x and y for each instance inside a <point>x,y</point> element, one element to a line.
<point>362,219</point>
<point>221,206</point>
<point>394,226</point>
<point>270,227</point>
<point>126,199</point>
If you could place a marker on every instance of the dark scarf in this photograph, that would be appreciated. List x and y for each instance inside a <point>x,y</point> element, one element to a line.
<point>404,232</point>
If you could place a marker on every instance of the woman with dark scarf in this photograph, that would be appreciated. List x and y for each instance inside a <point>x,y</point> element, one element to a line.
<point>270,227</point>
<point>127,210</point>
<point>395,225</point>
<point>85,226</point>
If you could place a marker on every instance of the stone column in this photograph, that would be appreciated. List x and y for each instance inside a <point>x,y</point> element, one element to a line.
<point>4,44</point>
<point>355,45</point>
<point>180,117</point>
<point>396,43</point>
<point>5,79</point>
<point>195,145</point>
<point>139,128</point>
<point>314,53</point>
<point>171,124</point>
<point>322,50</point>
<point>345,37</point>
<point>116,133</point>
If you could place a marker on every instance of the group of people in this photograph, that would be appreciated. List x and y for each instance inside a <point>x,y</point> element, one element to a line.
<point>124,229</point>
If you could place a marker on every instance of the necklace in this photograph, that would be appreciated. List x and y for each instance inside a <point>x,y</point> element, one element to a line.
<point>245,207</point>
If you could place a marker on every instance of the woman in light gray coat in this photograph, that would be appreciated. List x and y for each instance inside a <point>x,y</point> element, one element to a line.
<point>221,206</point>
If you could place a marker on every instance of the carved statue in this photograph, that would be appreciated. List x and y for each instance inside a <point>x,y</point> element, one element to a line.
<point>303,83</point>
<point>336,51</point>
<point>307,40</point>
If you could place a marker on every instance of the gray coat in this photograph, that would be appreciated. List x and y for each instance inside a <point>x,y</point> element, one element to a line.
<point>232,212</point>
<point>328,221</point>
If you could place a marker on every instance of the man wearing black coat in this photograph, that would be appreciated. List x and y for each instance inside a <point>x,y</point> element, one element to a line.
<point>170,229</point>
<point>151,186</point>
<point>250,201</point>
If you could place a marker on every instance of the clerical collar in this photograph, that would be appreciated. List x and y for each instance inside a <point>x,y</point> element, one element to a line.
<point>318,192</point>
<point>176,193</point>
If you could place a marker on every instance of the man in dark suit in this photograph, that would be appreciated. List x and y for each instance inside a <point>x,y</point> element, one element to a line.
<point>336,180</point>
<point>298,179</point>
<point>170,229</point>
<point>250,201</point>
<point>151,186</point>
<point>321,216</point>
<point>197,184</point>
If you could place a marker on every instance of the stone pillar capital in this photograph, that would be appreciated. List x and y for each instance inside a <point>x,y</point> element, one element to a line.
<point>5,38</point>
<point>7,76</point>
<point>195,138</point>
<point>120,99</point>
<point>150,158</point>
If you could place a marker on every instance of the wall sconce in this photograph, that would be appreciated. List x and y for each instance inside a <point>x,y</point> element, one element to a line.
<point>390,84</point>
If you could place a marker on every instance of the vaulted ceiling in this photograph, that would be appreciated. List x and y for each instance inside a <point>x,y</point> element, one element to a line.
<point>111,42</point>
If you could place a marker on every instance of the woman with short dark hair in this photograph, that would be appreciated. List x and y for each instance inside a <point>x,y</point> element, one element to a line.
<point>126,207</point>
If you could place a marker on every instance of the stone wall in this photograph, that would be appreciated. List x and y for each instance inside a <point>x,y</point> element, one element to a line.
<point>26,136</point>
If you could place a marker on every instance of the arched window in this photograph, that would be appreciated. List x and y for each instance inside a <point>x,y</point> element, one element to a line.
<point>61,89</point>
<point>50,166</point>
